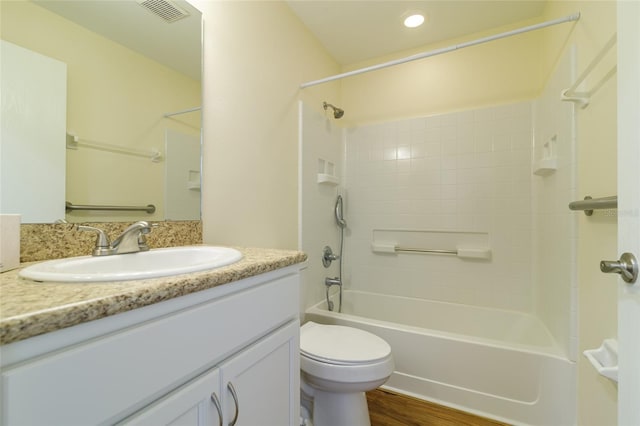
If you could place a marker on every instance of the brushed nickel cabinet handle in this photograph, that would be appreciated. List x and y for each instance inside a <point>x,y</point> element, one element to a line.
<point>216,402</point>
<point>235,400</point>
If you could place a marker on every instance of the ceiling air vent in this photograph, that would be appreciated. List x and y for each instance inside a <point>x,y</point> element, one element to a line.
<point>165,9</point>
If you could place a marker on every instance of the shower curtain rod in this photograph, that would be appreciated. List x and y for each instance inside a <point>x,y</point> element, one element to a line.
<point>423,55</point>
<point>182,111</point>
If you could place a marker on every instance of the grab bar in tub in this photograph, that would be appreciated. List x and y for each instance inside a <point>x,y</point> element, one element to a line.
<point>430,251</point>
<point>475,253</point>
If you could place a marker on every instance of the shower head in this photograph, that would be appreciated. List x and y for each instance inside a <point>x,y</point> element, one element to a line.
<point>337,112</point>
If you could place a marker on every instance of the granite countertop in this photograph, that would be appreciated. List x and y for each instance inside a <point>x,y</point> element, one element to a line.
<point>29,308</point>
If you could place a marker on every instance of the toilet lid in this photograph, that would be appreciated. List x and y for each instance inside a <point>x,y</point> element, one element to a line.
<point>338,344</point>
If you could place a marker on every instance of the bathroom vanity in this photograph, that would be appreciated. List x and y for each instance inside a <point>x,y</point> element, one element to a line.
<point>221,348</point>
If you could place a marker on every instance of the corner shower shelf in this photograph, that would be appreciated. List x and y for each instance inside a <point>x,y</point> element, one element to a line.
<point>328,179</point>
<point>548,161</point>
<point>545,166</point>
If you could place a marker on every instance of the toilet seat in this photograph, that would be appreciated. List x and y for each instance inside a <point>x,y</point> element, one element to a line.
<point>340,345</point>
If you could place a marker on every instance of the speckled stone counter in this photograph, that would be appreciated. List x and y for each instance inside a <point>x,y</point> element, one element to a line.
<point>29,308</point>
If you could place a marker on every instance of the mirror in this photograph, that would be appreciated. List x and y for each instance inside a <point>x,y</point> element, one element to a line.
<point>133,95</point>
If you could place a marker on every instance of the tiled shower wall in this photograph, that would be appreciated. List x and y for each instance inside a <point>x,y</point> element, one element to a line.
<point>464,172</point>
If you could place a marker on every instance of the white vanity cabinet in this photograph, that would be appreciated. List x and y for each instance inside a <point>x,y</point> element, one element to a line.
<point>197,403</point>
<point>161,364</point>
<point>251,388</point>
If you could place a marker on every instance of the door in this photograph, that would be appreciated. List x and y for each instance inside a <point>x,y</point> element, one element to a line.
<point>629,208</point>
<point>261,384</point>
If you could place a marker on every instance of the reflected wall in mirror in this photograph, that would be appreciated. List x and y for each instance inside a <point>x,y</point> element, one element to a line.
<point>127,68</point>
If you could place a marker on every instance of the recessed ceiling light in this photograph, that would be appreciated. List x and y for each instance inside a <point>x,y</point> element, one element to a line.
<point>414,20</point>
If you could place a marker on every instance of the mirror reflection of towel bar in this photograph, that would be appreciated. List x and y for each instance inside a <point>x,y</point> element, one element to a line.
<point>73,142</point>
<point>150,208</point>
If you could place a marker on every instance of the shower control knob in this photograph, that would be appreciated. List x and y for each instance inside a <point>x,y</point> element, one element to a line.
<point>328,256</point>
<point>627,267</point>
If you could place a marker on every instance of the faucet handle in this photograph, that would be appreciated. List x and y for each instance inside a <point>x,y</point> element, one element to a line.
<point>142,238</point>
<point>102,240</point>
<point>139,225</point>
<point>149,227</point>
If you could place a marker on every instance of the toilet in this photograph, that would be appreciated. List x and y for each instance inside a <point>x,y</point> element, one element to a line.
<point>338,365</point>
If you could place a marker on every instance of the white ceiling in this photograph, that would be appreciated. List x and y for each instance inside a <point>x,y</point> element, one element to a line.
<point>356,30</point>
<point>351,30</point>
<point>176,44</point>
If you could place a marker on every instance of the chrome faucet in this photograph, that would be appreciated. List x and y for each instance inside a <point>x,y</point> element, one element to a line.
<point>132,240</point>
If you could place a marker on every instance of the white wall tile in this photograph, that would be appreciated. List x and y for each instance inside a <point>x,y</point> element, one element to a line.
<point>465,171</point>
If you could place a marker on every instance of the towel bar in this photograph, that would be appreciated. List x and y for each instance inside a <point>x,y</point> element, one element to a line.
<point>588,205</point>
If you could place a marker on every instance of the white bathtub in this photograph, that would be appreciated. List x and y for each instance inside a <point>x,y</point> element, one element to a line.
<point>499,364</point>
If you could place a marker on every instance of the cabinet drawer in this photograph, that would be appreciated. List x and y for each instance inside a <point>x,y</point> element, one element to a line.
<point>103,380</point>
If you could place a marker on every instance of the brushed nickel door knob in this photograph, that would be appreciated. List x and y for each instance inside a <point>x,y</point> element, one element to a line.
<point>627,267</point>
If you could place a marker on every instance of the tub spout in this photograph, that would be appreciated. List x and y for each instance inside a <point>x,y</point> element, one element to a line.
<point>332,281</point>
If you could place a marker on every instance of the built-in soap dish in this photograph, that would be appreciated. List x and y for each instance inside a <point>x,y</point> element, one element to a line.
<point>605,359</point>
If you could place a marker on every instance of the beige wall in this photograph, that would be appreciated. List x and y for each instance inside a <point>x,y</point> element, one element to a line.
<point>498,72</point>
<point>597,235</point>
<point>114,96</point>
<point>256,56</point>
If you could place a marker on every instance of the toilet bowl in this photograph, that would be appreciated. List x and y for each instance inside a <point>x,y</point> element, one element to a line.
<point>338,365</point>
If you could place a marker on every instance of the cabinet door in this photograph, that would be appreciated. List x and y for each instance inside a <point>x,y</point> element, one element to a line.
<point>261,385</point>
<point>195,404</point>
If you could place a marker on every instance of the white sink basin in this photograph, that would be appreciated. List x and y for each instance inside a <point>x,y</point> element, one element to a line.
<point>133,266</point>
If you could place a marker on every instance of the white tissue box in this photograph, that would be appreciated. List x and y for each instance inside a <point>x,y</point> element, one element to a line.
<point>9,241</point>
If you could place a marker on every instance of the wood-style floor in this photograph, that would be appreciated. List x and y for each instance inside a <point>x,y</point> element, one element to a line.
<point>392,409</point>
